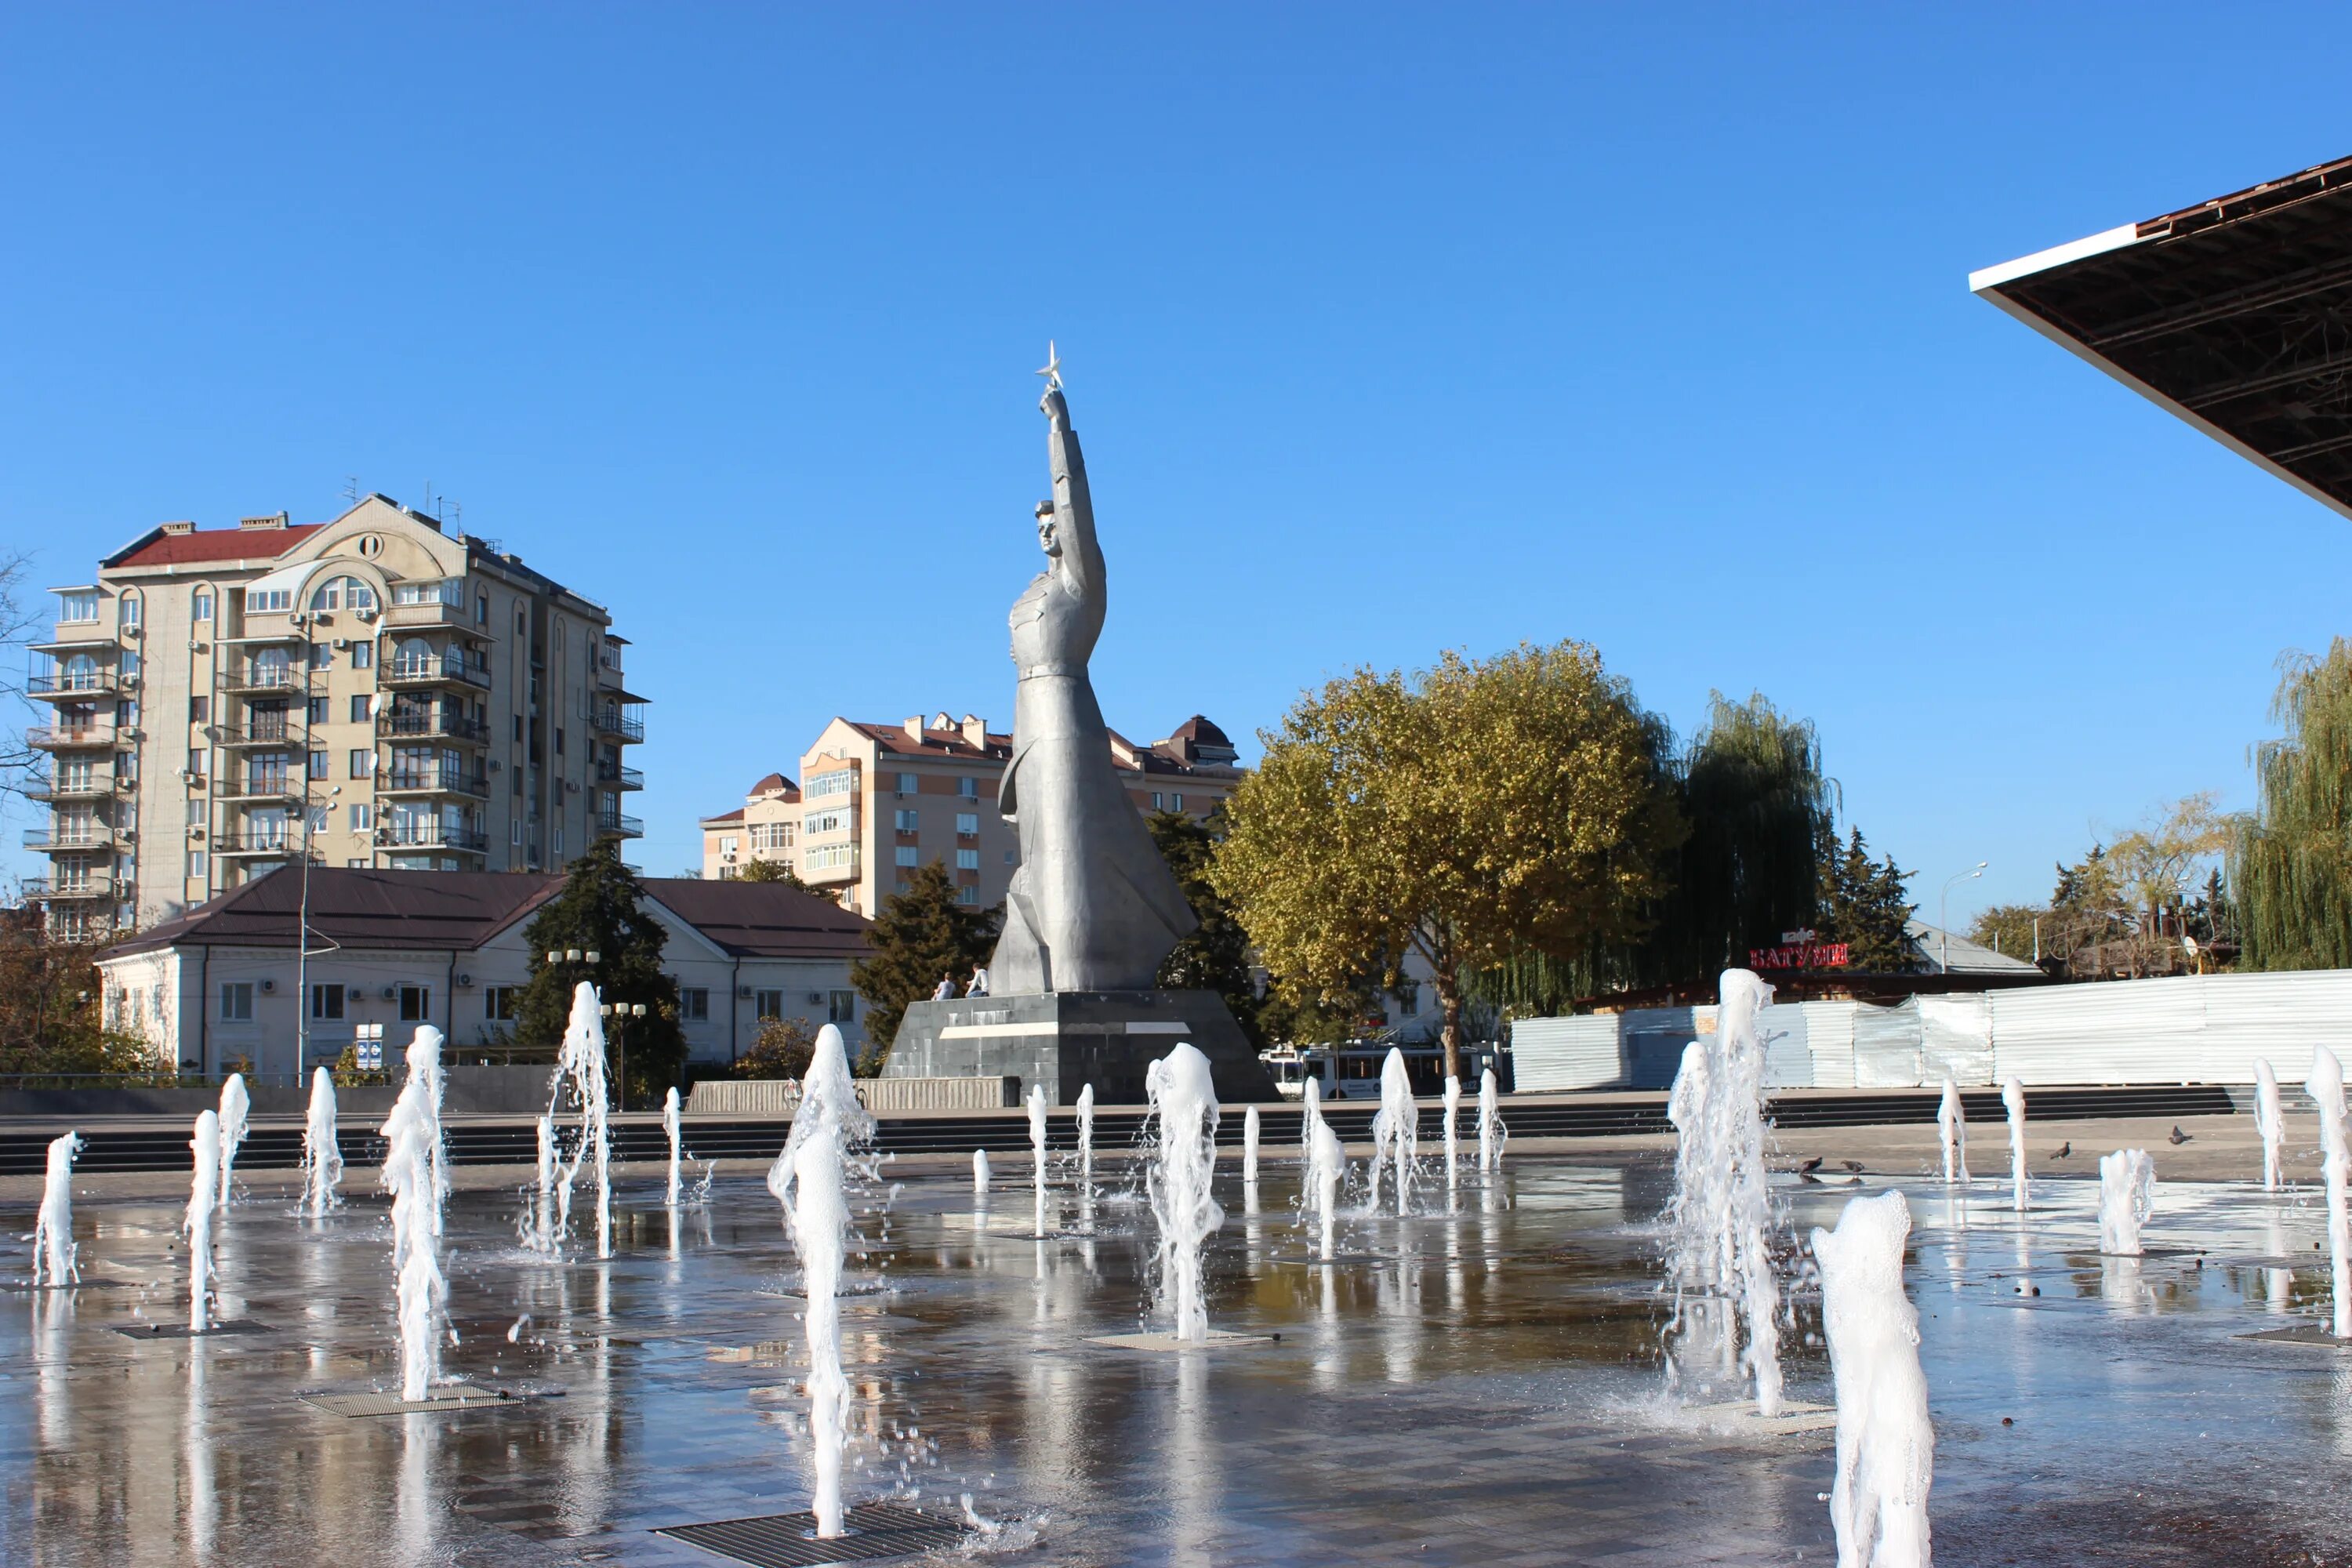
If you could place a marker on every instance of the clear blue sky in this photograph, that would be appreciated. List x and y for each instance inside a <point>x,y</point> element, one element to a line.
<point>1388,330</point>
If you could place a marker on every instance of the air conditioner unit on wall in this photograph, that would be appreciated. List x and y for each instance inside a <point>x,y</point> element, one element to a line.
<point>268,986</point>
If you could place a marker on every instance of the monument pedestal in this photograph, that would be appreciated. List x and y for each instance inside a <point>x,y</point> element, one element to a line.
<point>1069,1039</point>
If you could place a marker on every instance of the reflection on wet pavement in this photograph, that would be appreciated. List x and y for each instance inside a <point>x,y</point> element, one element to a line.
<point>1479,1385</point>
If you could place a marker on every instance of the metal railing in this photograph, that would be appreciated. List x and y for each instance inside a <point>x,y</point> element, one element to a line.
<point>431,836</point>
<point>611,720</point>
<point>625,778</point>
<point>86,683</point>
<point>277,734</point>
<point>61,736</point>
<point>95,787</point>
<point>94,835</point>
<point>432,781</point>
<point>451,666</point>
<point>269,678</point>
<point>58,890</point>
<point>617,822</point>
<point>256,841</point>
<point>438,726</point>
<point>263,786</point>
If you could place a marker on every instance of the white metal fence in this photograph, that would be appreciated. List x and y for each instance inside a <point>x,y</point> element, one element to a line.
<point>2194,1028</point>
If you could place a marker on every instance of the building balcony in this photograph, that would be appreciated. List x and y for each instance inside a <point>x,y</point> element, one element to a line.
<point>408,616</point>
<point>431,836</point>
<point>826,863</point>
<point>452,668</point>
<point>431,780</point>
<point>279,734</point>
<point>430,726</point>
<point>618,823</point>
<point>262,787</point>
<point>281,839</point>
<point>75,737</point>
<point>84,685</point>
<point>69,889</point>
<point>265,679</point>
<point>97,786</point>
<point>619,777</point>
<point>616,722</point>
<point>89,838</point>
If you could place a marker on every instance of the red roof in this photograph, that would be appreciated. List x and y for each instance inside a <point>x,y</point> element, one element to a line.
<point>159,549</point>
<point>893,738</point>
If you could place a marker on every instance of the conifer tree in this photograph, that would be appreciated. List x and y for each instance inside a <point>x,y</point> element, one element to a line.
<point>1864,904</point>
<point>1216,956</point>
<point>599,912</point>
<point>918,937</point>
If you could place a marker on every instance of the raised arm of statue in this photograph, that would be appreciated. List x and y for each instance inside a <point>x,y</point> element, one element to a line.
<point>1074,508</point>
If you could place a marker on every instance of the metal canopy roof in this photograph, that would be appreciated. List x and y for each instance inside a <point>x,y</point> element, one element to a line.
<point>2235,314</point>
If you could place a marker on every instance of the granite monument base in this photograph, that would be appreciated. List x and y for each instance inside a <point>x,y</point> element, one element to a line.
<point>1065,1040</point>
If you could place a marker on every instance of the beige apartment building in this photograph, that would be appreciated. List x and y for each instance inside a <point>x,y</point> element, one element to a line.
<point>876,801</point>
<point>376,689</point>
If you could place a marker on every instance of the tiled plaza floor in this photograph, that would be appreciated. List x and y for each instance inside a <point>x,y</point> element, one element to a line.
<point>1479,1386</point>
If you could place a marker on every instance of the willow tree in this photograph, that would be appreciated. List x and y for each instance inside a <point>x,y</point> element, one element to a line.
<point>2291,860</point>
<point>1470,814</point>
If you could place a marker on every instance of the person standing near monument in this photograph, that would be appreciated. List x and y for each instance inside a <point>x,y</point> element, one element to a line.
<point>1093,906</point>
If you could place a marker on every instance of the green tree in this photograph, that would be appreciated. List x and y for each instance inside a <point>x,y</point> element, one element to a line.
<point>2290,862</point>
<point>53,1006</point>
<point>772,871</point>
<point>1468,814</point>
<point>1864,904</point>
<point>1216,956</point>
<point>784,1049</point>
<point>918,936</point>
<point>2009,929</point>
<point>599,912</point>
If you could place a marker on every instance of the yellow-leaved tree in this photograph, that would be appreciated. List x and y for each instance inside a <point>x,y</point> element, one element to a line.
<point>1471,813</point>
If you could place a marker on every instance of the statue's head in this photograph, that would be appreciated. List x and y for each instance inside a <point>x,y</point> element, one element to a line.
<point>1047,540</point>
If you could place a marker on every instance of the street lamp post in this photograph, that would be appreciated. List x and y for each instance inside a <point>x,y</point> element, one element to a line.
<point>1943,916</point>
<point>302,918</point>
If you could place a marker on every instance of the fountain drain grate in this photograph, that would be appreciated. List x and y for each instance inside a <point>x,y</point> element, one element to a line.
<point>458,1396</point>
<point>182,1330</point>
<point>877,1530</point>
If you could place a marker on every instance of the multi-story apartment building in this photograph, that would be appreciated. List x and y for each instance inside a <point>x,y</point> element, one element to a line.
<point>878,800</point>
<point>375,690</point>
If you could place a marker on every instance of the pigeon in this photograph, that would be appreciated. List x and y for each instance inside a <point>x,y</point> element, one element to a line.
<point>1853,1165</point>
<point>2178,1136</point>
<point>1810,1166</point>
<point>2064,1150</point>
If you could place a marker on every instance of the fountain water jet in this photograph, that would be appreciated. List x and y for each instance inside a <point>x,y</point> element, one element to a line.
<point>1886,1443</point>
<point>2269,1123</point>
<point>670,1126</point>
<point>810,1180</point>
<point>980,1172</point>
<point>1491,1130</point>
<point>412,1134</point>
<point>1720,1220</point>
<point>1086,1140</point>
<point>236,1110</point>
<point>2013,1100</point>
<point>1327,1167</point>
<point>322,1154</point>
<point>1395,1130</point>
<point>1184,1099</point>
<point>53,1242</point>
<point>1249,1146</point>
<point>203,1196</point>
<point>1037,1154</point>
<point>1952,1125</point>
<point>1452,1114</point>
<point>538,1225</point>
<point>1310,1114</point>
<point>2326,1086</point>
<point>2126,1196</point>
<point>581,1064</point>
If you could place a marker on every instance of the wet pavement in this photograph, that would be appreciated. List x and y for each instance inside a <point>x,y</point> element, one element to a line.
<point>1479,1383</point>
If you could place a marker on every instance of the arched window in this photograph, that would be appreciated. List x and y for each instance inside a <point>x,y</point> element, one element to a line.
<point>413,656</point>
<point>81,674</point>
<point>344,594</point>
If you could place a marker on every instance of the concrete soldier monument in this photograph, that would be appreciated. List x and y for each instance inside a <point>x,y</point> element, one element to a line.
<point>1093,908</point>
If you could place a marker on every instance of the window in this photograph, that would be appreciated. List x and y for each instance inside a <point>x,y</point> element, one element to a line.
<point>316,713</point>
<point>501,1004</point>
<point>969,788</point>
<point>841,780</point>
<point>908,784</point>
<point>344,594</point>
<point>559,739</point>
<point>269,601</point>
<point>322,655</point>
<point>967,824</point>
<point>360,708</point>
<point>201,605</point>
<point>841,1006</point>
<point>363,818</point>
<point>200,762</point>
<point>727,844</point>
<point>966,894</point>
<point>826,856</point>
<point>449,593</point>
<point>768,1004</point>
<point>558,846</point>
<point>694,1004</point>
<point>1180,802</point>
<point>327,1002</point>
<point>77,608</point>
<point>321,765</point>
<point>1012,856</point>
<point>196,863</point>
<point>1156,803</point>
<point>908,855</point>
<point>908,821</point>
<point>357,862</point>
<point>363,762</point>
<point>825,822</point>
<point>130,609</point>
<point>481,609</point>
<point>415,1004</point>
<point>237,1001</point>
<point>514,828</point>
<point>967,860</point>
<point>200,710</point>
<point>126,713</point>
<point>363,655</point>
